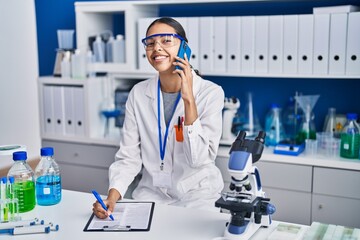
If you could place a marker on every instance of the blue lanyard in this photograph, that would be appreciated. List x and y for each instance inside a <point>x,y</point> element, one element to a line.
<point>162,146</point>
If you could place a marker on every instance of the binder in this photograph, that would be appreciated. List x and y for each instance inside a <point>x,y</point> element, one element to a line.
<point>48,117</point>
<point>248,44</point>
<point>193,37</point>
<point>59,126</point>
<point>306,38</point>
<point>143,63</point>
<point>290,44</point>
<point>337,50</point>
<point>220,30</point>
<point>321,44</point>
<point>207,44</point>
<point>233,43</point>
<point>276,25</point>
<point>261,44</point>
<point>183,22</point>
<point>79,111</point>
<point>69,110</point>
<point>353,44</point>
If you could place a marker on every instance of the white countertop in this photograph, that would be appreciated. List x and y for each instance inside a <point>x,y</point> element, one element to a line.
<point>317,160</point>
<point>169,222</point>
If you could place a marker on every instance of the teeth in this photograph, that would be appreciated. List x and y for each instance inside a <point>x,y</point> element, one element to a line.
<point>159,57</point>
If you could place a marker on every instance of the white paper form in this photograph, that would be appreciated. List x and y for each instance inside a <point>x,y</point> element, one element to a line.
<point>129,216</point>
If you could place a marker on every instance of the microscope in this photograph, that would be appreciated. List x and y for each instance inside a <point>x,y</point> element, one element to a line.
<point>248,206</point>
<point>231,106</point>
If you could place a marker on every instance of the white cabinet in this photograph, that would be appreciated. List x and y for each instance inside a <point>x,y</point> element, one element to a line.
<point>336,197</point>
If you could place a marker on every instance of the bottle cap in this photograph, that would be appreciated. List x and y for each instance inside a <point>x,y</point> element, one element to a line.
<point>11,179</point>
<point>351,116</point>
<point>119,37</point>
<point>21,155</point>
<point>4,180</point>
<point>274,105</point>
<point>47,151</point>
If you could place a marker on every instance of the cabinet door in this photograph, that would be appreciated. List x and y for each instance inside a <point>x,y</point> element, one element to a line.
<point>285,176</point>
<point>291,206</point>
<point>336,210</point>
<point>83,166</point>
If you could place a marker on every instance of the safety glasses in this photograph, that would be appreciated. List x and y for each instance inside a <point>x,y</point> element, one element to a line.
<point>165,40</point>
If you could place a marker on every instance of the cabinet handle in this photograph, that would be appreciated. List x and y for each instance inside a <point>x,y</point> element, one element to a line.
<point>320,206</point>
<point>76,154</point>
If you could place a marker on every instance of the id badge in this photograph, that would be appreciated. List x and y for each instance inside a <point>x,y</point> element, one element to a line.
<point>162,179</point>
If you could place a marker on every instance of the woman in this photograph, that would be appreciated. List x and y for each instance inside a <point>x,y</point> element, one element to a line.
<point>171,130</point>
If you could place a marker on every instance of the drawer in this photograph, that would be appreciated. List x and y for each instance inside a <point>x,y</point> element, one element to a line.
<point>337,182</point>
<point>336,210</point>
<point>285,176</point>
<point>83,154</point>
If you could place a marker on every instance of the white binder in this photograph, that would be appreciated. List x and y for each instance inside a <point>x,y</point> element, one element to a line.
<point>321,44</point>
<point>69,110</point>
<point>276,25</point>
<point>183,22</point>
<point>144,65</point>
<point>248,44</point>
<point>58,97</point>
<point>233,44</point>
<point>306,38</point>
<point>48,117</point>
<point>220,29</point>
<point>337,50</point>
<point>290,44</point>
<point>79,111</point>
<point>261,44</point>
<point>207,44</point>
<point>193,37</point>
<point>353,44</point>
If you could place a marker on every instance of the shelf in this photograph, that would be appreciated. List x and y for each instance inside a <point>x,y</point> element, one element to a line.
<point>85,140</point>
<point>319,160</point>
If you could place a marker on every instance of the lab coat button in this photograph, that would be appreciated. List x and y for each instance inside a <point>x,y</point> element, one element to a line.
<point>190,131</point>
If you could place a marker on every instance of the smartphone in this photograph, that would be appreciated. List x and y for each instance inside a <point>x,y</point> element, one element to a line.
<point>184,48</point>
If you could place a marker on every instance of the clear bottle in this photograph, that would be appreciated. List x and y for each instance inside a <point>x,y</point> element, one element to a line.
<point>273,126</point>
<point>66,65</point>
<point>291,120</point>
<point>109,49</point>
<point>24,184</point>
<point>48,179</point>
<point>350,137</point>
<point>99,49</point>
<point>78,65</point>
<point>118,49</point>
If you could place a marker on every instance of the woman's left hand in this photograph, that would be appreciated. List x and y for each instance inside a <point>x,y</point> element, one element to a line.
<point>186,78</point>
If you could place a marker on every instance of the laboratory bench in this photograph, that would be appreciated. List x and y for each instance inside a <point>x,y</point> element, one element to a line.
<point>168,222</point>
<point>307,188</point>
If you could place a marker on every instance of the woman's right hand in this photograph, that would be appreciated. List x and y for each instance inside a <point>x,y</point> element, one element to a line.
<point>110,202</point>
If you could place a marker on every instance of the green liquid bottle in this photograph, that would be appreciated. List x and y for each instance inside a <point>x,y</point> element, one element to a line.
<point>350,138</point>
<point>24,184</point>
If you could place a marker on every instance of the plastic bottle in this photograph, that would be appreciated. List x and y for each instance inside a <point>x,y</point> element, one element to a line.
<point>65,65</point>
<point>24,184</point>
<point>109,50</point>
<point>350,137</point>
<point>78,65</point>
<point>90,58</point>
<point>119,49</point>
<point>48,179</point>
<point>273,126</point>
<point>99,49</point>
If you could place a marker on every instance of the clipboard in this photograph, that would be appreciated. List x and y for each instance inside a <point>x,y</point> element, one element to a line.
<point>129,216</point>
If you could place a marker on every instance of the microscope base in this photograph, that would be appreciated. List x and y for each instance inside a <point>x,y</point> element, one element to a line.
<point>249,231</point>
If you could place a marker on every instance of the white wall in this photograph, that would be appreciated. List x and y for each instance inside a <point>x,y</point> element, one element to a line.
<point>19,111</point>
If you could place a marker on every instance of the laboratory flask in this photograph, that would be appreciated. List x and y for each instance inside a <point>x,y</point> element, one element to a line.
<point>308,129</point>
<point>350,137</point>
<point>273,126</point>
<point>47,178</point>
<point>24,184</point>
<point>291,119</point>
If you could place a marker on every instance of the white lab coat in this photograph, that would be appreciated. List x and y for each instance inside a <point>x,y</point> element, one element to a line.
<point>196,181</point>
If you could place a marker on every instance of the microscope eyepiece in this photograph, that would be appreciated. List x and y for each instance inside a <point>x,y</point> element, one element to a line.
<point>261,137</point>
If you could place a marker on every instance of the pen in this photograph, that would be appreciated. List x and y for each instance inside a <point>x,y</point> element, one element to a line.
<point>179,123</point>
<point>101,202</point>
